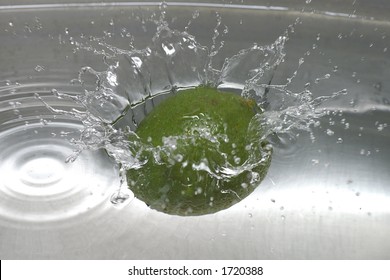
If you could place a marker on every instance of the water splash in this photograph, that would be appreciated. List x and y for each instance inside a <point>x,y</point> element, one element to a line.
<point>115,100</point>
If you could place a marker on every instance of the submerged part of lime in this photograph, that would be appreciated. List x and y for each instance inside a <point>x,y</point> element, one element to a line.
<point>203,152</point>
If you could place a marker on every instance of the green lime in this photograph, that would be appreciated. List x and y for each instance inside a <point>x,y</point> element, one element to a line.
<point>203,151</point>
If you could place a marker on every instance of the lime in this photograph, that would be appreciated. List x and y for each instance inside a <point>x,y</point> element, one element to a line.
<point>203,151</point>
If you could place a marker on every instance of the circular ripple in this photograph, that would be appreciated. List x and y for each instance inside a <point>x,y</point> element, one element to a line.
<point>38,186</point>
<point>41,171</point>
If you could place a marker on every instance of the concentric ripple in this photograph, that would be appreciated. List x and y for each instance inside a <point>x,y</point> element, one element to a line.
<point>38,186</point>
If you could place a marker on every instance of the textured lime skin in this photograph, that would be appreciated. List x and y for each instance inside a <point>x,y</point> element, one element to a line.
<point>198,133</point>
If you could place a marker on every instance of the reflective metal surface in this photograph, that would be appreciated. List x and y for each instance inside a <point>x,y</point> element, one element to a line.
<point>322,199</point>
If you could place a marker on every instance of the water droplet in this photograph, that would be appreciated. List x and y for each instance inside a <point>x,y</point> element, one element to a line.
<point>43,122</point>
<point>381,126</point>
<point>169,49</point>
<point>335,68</point>
<point>195,14</point>
<point>39,68</point>
<point>330,132</point>
<point>283,217</point>
<point>67,30</point>
<point>119,198</point>
<point>112,78</point>
<point>11,24</point>
<point>225,30</point>
<point>27,28</point>
<point>325,77</point>
<point>273,200</point>
<point>378,86</point>
<point>308,1</point>
<point>163,5</point>
<point>339,140</point>
<point>315,161</point>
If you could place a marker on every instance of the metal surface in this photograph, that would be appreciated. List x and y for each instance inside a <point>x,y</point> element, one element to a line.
<point>327,199</point>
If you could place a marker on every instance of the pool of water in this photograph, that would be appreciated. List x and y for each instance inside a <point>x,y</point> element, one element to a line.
<point>326,193</point>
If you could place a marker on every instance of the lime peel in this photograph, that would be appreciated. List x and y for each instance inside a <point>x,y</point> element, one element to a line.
<point>203,152</point>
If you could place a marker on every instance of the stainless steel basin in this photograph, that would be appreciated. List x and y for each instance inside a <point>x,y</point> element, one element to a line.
<point>326,195</point>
